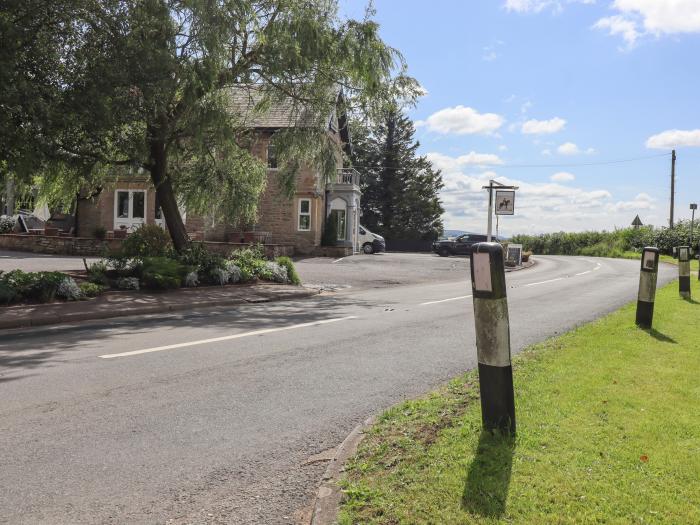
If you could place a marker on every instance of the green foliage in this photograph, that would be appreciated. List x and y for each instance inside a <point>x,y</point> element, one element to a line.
<point>6,224</point>
<point>251,262</point>
<point>148,240</point>
<point>97,273</point>
<point>32,286</point>
<point>162,273</point>
<point>330,232</point>
<point>207,264</point>
<point>292,274</point>
<point>155,93</point>
<point>400,188</point>
<point>608,244</point>
<point>91,289</point>
<point>8,294</point>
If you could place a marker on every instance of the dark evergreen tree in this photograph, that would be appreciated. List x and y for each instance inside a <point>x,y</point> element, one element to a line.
<point>399,187</point>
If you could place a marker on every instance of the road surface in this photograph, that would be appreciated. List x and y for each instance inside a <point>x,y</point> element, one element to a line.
<point>211,416</point>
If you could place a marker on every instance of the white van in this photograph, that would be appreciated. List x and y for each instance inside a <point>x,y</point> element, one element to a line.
<point>370,242</point>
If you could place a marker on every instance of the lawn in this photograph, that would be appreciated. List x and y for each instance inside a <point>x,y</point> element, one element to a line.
<point>608,422</point>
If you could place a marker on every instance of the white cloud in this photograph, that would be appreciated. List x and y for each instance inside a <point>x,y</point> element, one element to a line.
<point>562,176</point>
<point>502,147</point>
<point>568,148</point>
<point>643,201</point>
<point>636,18</point>
<point>461,120</point>
<point>543,127</point>
<point>619,25</point>
<point>547,152</point>
<point>539,206</point>
<point>675,138</point>
<point>447,163</point>
<point>535,6</point>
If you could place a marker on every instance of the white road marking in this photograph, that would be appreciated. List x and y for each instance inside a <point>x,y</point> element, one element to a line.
<point>545,282</point>
<point>445,300</point>
<point>338,260</point>
<point>584,273</point>
<point>227,338</point>
<point>597,267</point>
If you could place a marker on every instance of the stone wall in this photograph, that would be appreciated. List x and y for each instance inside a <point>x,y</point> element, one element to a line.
<point>57,245</point>
<point>94,247</point>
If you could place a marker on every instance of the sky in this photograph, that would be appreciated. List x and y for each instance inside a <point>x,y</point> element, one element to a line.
<point>545,95</point>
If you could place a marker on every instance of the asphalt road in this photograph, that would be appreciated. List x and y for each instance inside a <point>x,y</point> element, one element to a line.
<point>111,423</point>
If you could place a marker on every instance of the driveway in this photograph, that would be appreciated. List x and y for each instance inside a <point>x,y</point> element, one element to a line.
<point>381,270</point>
<point>39,262</point>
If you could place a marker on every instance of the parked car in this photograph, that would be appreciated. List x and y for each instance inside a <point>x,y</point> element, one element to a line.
<point>461,245</point>
<point>370,242</point>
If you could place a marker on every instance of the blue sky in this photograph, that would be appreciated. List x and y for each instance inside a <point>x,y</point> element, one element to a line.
<point>560,83</point>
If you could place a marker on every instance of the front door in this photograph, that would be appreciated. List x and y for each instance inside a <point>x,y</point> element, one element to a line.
<point>339,218</point>
<point>129,209</point>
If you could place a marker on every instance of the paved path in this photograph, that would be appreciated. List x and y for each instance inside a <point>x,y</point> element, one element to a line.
<point>210,416</point>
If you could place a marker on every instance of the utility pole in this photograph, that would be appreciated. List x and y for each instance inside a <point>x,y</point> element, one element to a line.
<point>673,184</point>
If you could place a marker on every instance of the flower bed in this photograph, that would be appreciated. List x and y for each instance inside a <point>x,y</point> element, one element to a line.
<point>146,260</point>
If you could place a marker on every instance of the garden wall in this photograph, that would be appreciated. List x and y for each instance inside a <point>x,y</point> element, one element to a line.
<point>90,246</point>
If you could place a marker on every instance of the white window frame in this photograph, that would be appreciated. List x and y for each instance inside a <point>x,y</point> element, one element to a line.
<point>301,214</point>
<point>130,222</point>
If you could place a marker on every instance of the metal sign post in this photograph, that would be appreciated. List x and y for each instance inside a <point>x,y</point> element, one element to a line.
<point>505,203</point>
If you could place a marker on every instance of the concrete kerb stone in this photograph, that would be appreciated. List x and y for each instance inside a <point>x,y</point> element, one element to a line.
<point>76,317</point>
<point>329,495</point>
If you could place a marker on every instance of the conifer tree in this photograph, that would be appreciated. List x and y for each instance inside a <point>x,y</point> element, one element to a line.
<point>400,188</point>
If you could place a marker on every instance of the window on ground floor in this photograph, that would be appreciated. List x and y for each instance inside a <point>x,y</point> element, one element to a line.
<point>304,222</point>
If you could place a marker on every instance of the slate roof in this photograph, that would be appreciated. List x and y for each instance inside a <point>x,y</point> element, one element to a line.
<point>284,113</point>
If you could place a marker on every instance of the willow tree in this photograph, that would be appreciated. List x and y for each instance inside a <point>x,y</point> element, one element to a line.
<point>145,87</point>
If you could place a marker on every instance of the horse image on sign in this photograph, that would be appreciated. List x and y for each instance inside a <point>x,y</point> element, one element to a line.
<point>505,202</point>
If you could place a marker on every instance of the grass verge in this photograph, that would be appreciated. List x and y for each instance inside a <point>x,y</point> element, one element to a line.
<point>608,432</point>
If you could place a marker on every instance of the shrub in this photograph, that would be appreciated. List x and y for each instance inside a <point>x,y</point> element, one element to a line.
<point>19,281</point>
<point>124,266</point>
<point>69,290</point>
<point>162,273</point>
<point>276,272</point>
<point>43,286</point>
<point>90,289</point>
<point>100,232</point>
<point>292,274</point>
<point>250,261</point>
<point>234,272</point>
<point>205,262</point>
<point>191,279</point>
<point>148,240</point>
<point>7,224</point>
<point>219,276</point>
<point>128,283</point>
<point>97,273</point>
<point>8,294</point>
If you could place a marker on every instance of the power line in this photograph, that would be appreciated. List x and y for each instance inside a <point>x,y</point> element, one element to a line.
<point>570,165</point>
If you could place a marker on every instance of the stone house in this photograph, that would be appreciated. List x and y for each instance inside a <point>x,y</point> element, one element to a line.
<point>131,201</point>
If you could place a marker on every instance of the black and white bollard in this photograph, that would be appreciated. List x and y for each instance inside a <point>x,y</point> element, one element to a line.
<point>684,271</point>
<point>647,286</point>
<point>493,337</point>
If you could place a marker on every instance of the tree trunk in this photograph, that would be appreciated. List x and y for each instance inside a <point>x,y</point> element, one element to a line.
<point>166,196</point>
